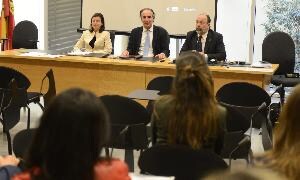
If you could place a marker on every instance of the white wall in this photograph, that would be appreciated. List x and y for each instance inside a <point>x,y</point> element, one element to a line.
<point>32,10</point>
<point>234,22</point>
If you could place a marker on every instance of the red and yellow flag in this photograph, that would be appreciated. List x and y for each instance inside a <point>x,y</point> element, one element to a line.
<point>7,23</point>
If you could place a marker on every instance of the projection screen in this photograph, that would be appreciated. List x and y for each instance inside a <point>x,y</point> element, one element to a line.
<point>177,16</point>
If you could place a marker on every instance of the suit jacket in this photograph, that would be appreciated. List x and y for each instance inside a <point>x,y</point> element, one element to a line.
<point>160,42</point>
<point>102,45</point>
<point>214,45</point>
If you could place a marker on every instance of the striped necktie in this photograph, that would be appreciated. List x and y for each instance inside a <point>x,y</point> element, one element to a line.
<point>199,44</point>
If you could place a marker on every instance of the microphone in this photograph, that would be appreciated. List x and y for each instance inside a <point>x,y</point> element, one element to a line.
<point>242,142</point>
<point>259,109</point>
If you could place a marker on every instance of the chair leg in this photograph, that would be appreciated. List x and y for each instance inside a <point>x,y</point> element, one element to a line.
<point>106,152</point>
<point>129,159</point>
<point>28,117</point>
<point>41,106</point>
<point>9,146</point>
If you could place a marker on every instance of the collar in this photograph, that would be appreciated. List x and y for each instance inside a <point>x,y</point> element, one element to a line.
<point>151,29</point>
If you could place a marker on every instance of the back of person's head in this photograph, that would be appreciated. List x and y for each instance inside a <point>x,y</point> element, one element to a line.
<point>246,174</point>
<point>286,138</point>
<point>70,136</point>
<point>195,105</point>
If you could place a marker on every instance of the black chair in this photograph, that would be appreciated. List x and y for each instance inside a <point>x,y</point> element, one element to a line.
<point>25,35</point>
<point>246,97</point>
<point>112,38</point>
<point>161,83</point>
<point>179,161</point>
<point>128,125</point>
<point>11,101</point>
<point>233,149</point>
<point>50,93</point>
<point>22,141</point>
<point>279,48</point>
<point>6,75</point>
<point>266,134</point>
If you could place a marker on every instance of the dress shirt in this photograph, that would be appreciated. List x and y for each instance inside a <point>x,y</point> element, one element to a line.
<point>144,34</point>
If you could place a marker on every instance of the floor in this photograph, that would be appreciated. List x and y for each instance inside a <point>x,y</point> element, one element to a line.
<point>36,112</point>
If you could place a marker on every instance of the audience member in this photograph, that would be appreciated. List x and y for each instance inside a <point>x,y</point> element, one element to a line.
<point>191,114</point>
<point>95,39</point>
<point>148,40</point>
<point>284,157</point>
<point>8,166</point>
<point>246,174</point>
<point>68,142</point>
<point>204,40</point>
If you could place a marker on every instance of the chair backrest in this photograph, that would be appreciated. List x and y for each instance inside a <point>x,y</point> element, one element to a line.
<point>242,94</point>
<point>51,92</point>
<point>162,83</point>
<point>25,35</point>
<point>112,38</point>
<point>179,161</point>
<point>12,99</point>
<point>22,141</point>
<point>7,74</point>
<point>235,119</point>
<point>123,110</point>
<point>128,121</point>
<point>279,48</point>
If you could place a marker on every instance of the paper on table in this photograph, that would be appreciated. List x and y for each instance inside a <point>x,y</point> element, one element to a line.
<point>40,54</point>
<point>149,177</point>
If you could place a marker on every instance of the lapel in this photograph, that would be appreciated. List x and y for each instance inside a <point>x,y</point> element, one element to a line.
<point>139,36</point>
<point>194,40</point>
<point>208,41</point>
<point>154,38</point>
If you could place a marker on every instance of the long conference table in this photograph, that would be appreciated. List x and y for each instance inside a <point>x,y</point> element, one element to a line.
<point>114,76</point>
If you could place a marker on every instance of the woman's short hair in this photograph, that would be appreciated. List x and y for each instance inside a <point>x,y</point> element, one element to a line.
<point>71,134</point>
<point>102,28</point>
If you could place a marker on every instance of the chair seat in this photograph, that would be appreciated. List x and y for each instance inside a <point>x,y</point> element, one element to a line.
<point>34,97</point>
<point>286,82</point>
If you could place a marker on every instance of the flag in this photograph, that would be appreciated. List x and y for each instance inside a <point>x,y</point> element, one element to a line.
<point>7,23</point>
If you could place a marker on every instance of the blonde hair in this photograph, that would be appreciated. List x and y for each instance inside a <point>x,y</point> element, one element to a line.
<point>285,157</point>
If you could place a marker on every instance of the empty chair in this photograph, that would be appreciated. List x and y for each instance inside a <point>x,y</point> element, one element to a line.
<point>50,93</point>
<point>11,101</point>
<point>279,48</point>
<point>22,141</point>
<point>161,83</point>
<point>112,39</point>
<point>246,97</point>
<point>128,125</point>
<point>179,161</point>
<point>25,35</point>
<point>6,75</point>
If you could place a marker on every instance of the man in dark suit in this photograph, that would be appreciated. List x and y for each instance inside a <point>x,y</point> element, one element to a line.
<point>148,40</point>
<point>204,40</point>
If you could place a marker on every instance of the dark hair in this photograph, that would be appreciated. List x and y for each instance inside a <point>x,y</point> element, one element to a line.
<point>142,10</point>
<point>208,18</point>
<point>102,28</point>
<point>194,116</point>
<point>70,137</point>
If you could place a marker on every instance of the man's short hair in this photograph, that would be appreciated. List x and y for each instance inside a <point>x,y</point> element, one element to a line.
<point>153,13</point>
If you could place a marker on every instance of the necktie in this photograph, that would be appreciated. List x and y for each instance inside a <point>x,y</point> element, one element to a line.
<point>147,44</point>
<point>92,42</point>
<point>199,44</point>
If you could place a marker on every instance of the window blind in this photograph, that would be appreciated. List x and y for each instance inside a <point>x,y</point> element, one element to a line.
<point>63,20</point>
